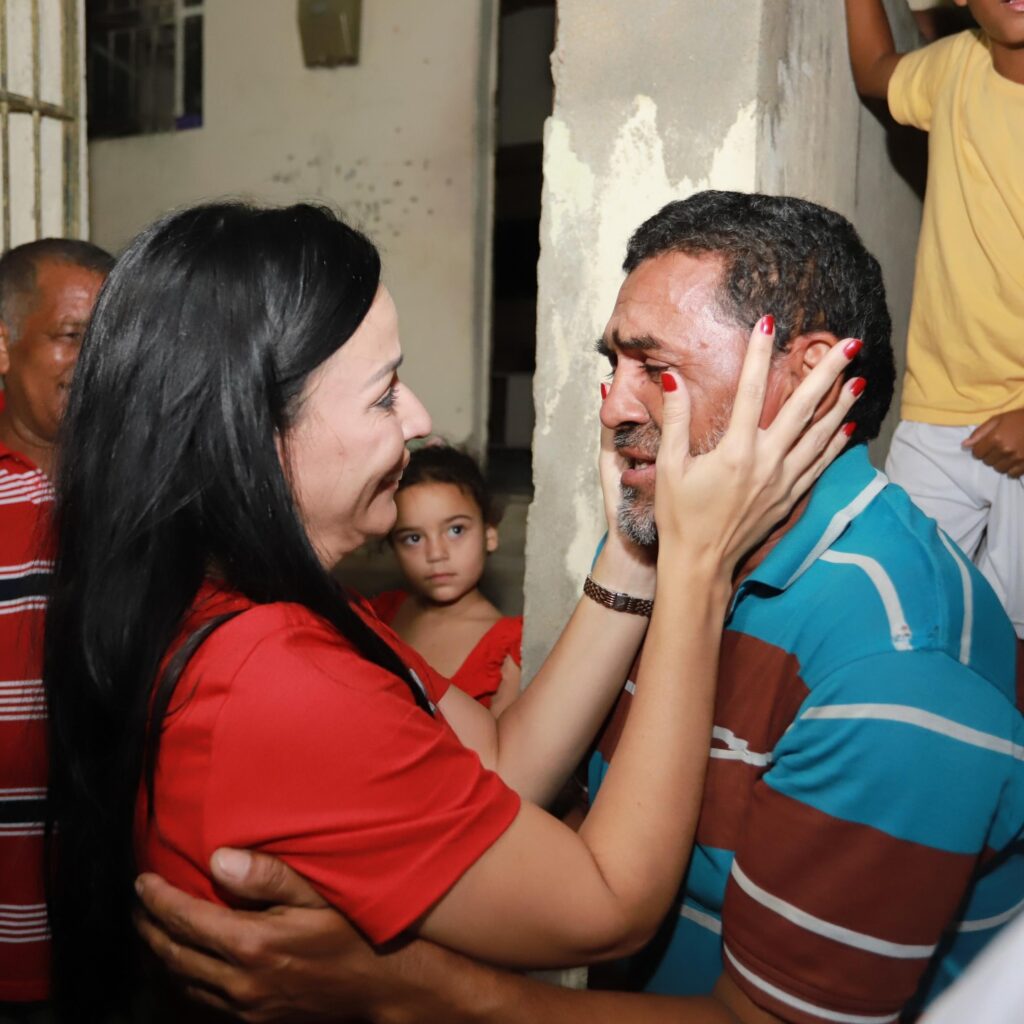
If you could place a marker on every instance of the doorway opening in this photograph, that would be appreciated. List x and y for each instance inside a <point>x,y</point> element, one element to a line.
<point>526,37</point>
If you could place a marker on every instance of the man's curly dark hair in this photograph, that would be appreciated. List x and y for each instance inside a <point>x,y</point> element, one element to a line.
<point>801,262</point>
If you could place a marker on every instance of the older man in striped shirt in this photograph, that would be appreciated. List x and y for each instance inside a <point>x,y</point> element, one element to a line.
<point>47,292</point>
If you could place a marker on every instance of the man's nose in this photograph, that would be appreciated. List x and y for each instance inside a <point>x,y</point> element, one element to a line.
<point>623,405</point>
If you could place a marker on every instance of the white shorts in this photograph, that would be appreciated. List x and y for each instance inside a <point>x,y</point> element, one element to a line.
<point>980,509</point>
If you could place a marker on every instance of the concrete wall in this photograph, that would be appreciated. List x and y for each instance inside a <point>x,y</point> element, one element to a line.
<point>653,102</point>
<point>401,142</point>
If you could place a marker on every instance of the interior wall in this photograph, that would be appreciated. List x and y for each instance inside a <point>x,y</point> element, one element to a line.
<point>819,141</point>
<point>654,102</point>
<point>400,142</point>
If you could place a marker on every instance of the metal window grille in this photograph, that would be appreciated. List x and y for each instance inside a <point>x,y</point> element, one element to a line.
<point>40,120</point>
<point>145,61</point>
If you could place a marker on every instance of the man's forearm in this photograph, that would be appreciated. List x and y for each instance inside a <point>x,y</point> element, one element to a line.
<point>461,991</point>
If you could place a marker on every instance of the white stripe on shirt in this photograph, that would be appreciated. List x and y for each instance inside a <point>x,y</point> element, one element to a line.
<point>827,929</point>
<point>909,715</point>
<point>801,1004</point>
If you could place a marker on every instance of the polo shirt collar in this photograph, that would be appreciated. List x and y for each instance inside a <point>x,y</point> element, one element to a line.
<point>843,491</point>
<point>17,457</point>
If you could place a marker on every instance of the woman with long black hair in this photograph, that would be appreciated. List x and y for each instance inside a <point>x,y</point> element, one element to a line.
<point>236,427</point>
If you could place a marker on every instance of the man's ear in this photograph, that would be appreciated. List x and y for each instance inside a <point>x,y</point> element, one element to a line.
<point>5,345</point>
<point>809,349</point>
<point>490,539</point>
<point>789,368</point>
<point>806,352</point>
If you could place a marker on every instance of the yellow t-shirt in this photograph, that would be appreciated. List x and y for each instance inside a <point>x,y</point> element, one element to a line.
<point>965,350</point>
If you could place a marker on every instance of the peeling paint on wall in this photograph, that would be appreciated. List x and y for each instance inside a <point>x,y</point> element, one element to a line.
<point>669,107</point>
<point>634,184</point>
<point>591,207</point>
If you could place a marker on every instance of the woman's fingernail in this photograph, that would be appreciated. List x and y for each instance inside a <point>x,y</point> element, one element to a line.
<point>852,347</point>
<point>857,386</point>
<point>849,428</point>
<point>139,886</point>
<point>604,391</point>
<point>668,382</point>
<point>768,324</point>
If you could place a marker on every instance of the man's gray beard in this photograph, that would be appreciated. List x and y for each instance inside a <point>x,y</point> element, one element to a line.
<point>636,514</point>
<point>636,518</point>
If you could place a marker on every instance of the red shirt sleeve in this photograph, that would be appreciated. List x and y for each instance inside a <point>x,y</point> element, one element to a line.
<point>323,759</point>
<point>480,674</point>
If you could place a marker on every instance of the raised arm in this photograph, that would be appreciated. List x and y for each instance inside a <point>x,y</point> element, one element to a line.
<point>873,55</point>
<point>544,895</point>
<point>541,738</point>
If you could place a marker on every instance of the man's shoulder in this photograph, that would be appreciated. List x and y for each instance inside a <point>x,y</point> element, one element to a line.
<point>892,588</point>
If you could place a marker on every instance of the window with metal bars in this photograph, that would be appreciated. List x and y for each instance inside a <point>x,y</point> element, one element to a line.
<point>145,66</point>
<point>40,121</point>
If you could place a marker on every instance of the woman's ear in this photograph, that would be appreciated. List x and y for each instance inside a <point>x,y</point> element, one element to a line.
<point>490,539</point>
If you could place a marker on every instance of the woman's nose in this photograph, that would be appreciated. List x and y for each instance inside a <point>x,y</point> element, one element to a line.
<point>415,418</point>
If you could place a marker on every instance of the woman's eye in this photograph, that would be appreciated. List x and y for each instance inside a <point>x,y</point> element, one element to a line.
<point>410,539</point>
<point>456,530</point>
<point>387,400</point>
<point>654,370</point>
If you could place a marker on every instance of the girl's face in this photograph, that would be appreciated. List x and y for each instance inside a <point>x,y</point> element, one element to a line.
<point>441,541</point>
<point>346,451</point>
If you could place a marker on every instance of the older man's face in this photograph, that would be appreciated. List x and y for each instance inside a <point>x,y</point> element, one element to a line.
<point>38,355</point>
<point>666,317</point>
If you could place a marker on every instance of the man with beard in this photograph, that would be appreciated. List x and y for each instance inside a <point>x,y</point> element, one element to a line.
<point>865,785</point>
<point>47,292</point>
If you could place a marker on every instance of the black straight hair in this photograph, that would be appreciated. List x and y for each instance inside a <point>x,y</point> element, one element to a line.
<point>192,368</point>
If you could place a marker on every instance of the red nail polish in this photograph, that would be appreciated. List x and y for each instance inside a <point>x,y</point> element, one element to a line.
<point>849,428</point>
<point>768,324</point>
<point>604,391</point>
<point>852,347</point>
<point>668,382</point>
<point>857,386</point>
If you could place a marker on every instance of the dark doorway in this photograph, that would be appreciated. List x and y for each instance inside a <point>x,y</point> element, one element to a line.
<point>526,37</point>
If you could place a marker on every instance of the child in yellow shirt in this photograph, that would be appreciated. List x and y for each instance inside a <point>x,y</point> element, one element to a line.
<point>959,448</point>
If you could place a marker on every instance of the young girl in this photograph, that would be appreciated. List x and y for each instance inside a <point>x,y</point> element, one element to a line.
<point>447,526</point>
